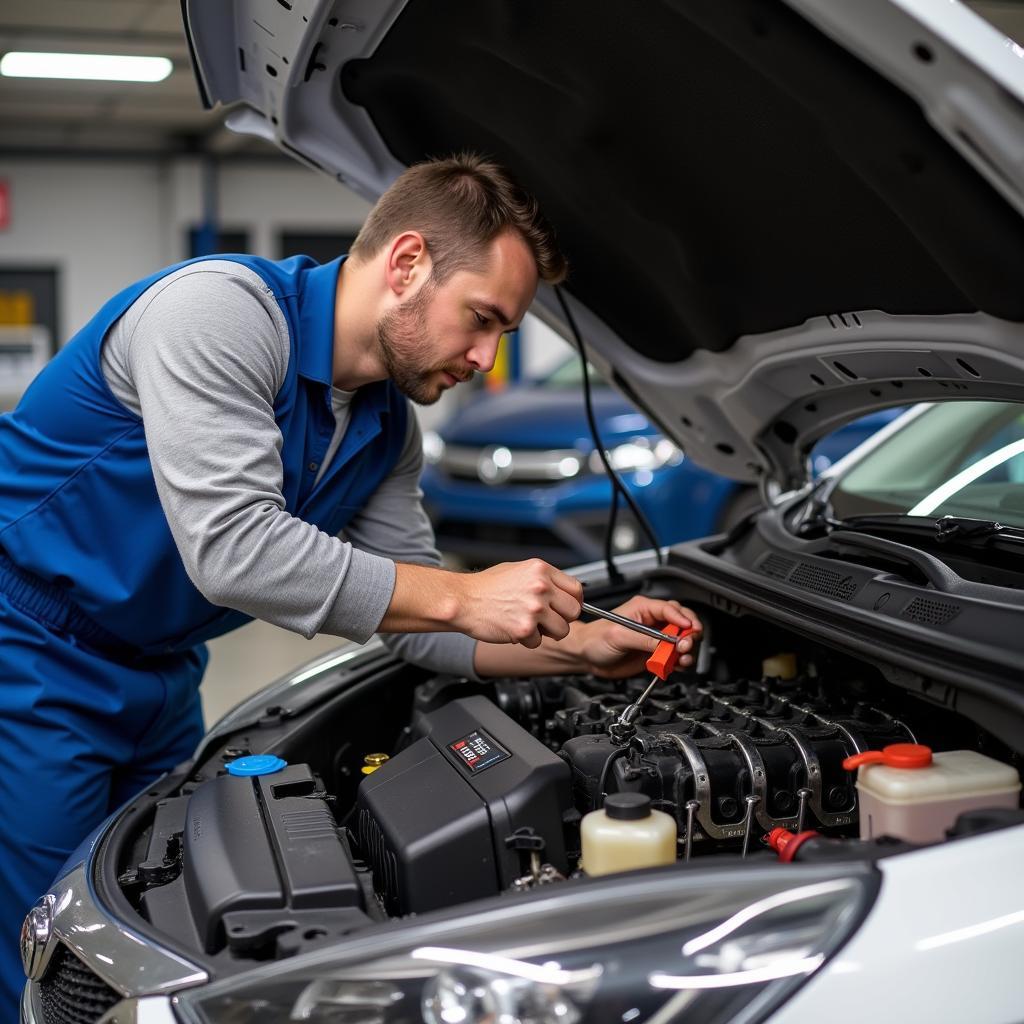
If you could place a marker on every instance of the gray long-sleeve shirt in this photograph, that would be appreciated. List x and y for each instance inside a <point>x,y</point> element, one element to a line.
<point>200,356</point>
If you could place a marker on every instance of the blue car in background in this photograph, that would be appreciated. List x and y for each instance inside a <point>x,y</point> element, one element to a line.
<point>514,474</point>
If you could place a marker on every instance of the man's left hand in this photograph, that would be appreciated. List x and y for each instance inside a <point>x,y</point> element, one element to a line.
<point>616,652</point>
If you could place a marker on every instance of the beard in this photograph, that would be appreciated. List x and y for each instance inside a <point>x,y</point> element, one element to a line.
<point>403,342</point>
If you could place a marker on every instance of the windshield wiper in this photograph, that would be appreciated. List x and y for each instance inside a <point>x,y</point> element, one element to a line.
<point>961,529</point>
<point>818,520</point>
<point>958,528</point>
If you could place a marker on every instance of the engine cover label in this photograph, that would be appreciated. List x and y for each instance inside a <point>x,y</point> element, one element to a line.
<point>477,751</point>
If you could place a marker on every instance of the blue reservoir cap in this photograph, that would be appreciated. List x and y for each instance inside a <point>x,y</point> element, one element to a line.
<point>256,764</point>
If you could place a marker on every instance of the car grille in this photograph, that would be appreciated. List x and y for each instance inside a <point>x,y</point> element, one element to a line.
<point>512,465</point>
<point>70,993</point>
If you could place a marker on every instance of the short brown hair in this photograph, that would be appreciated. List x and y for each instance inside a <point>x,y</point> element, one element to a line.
<point>459,205</point>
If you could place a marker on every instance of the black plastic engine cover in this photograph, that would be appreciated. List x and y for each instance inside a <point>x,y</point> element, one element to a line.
<point>263,844</point>
<point>434,819</point>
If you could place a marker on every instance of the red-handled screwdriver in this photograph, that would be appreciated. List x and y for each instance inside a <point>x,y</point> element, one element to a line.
<point>638,627</point>
<point>661,663</point>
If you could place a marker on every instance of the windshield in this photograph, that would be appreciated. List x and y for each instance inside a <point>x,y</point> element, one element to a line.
<point>957,458</point>
<point>570,375</point>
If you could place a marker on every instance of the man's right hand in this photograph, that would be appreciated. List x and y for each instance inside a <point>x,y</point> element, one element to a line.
<point>518,603</point>
<point>511,603</point>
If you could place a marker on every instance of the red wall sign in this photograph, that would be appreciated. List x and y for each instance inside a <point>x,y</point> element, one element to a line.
<point>5,206</point>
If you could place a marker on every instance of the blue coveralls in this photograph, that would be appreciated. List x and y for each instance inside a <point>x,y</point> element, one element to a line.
<point>101,630</point>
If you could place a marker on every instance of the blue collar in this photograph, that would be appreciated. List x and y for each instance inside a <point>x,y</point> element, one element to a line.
<point>317,294</point>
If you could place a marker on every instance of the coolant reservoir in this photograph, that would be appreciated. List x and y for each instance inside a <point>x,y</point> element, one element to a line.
<point>628,833</point>
<point>907,791</point>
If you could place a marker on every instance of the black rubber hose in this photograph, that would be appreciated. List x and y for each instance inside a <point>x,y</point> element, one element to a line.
<point>613,573</point>
<point>609,761</point>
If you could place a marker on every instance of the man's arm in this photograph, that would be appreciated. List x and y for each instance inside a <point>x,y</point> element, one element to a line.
<point>602,648</point>
<point>514,602</point>
<point>394,522</point>
<point>517,602</point>
<point>205,351</point>
<point>201,357</point>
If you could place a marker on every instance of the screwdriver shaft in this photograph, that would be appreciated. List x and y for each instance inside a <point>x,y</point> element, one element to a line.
<point>642,699</point>
<point>639,627</point>
<point>633,710</point>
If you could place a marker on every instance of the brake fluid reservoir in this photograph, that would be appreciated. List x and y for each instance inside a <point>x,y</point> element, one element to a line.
<point>628,833</point>
<point>907,791</point>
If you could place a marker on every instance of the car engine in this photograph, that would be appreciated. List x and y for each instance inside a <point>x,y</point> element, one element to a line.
<point>729,760</point>
<point>407,792</point>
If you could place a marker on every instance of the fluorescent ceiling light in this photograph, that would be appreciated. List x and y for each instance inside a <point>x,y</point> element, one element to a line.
<point>97,66</point>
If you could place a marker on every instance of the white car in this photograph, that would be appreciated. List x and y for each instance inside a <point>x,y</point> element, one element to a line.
<point>780,216</point>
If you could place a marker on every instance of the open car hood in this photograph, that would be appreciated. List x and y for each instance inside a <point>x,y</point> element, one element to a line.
<point>779,215</point>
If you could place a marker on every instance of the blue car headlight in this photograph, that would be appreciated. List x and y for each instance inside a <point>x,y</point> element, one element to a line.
<point>702,946</point>
<point>433,447</point>
<point>641,453</point>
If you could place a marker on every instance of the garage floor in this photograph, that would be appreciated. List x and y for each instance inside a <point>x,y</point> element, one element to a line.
<point>251,657</point>
<point>257,654</point>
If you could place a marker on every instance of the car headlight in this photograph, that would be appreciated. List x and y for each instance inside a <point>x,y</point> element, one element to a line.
<point>433,447</point>
<point>638,454</point>
<point>704,946</point>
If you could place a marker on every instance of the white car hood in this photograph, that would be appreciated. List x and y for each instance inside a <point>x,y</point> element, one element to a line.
<point>779,215</point>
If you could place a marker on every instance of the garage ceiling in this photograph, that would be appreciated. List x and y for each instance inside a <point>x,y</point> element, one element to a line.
<point>64,118</point>
<point>49,116</point>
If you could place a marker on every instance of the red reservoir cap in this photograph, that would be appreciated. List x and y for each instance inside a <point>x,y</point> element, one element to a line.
<point>896,755</point>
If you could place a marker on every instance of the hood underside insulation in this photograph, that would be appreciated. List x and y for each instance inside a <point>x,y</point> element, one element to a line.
<point>712,169</point>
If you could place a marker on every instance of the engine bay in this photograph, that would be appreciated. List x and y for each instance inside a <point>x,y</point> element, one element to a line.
<point>413,792</point>
<point>728,758</point>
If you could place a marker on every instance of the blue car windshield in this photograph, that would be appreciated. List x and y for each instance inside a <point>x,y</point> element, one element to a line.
<point>956,458</point>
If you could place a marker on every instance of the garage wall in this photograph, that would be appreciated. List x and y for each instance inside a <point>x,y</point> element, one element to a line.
<point>101,224</point>
<point>105,223</point>
<point>265,197</point>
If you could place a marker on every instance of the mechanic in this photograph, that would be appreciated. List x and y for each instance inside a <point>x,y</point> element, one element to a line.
<point>229,439</point>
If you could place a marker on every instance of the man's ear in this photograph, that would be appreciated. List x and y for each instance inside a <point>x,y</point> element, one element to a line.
<point>407,265</point>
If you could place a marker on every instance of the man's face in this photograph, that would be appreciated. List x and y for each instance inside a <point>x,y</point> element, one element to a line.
<point>443,334</point>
